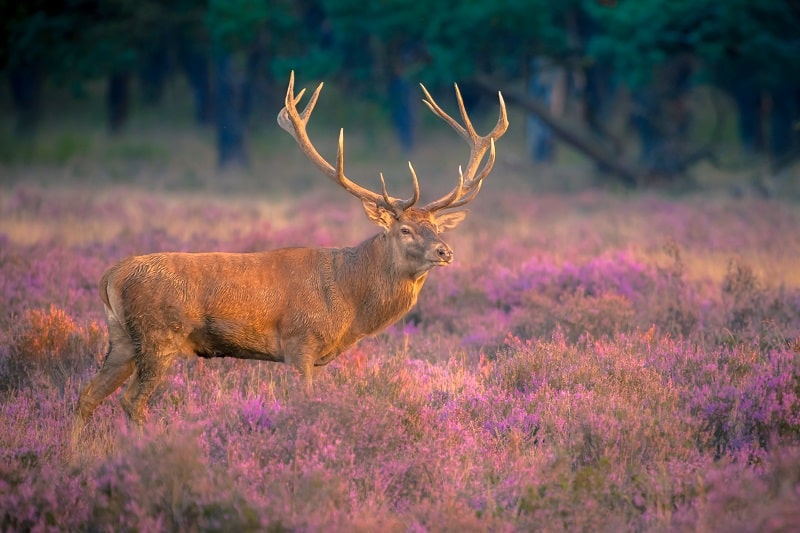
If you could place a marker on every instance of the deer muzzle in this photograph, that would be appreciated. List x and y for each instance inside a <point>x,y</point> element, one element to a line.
<point>443,254</point>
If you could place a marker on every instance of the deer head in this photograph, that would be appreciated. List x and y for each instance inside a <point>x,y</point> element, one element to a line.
<point>412,232</point>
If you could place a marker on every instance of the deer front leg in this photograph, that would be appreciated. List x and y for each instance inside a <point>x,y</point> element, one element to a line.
<point>302,354</point>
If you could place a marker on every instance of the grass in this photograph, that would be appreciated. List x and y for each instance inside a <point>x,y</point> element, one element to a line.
<point>592,361</point>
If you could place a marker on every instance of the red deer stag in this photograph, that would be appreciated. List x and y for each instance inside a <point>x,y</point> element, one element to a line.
<point>302,306</point>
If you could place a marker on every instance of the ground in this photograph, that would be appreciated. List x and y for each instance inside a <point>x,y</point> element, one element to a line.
<point>593,359</point>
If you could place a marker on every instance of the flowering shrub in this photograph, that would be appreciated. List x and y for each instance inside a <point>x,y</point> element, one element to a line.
<point>45,334</point>
<point>631,363</point>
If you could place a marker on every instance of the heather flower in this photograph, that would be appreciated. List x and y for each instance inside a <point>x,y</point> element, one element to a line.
<point>588,360</point>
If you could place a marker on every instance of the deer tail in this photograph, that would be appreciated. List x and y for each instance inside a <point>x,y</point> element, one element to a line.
<point>104,286</point>
<point>109,293</point>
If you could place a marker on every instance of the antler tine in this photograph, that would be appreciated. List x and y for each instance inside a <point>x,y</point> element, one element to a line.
<point>468,197</point>
<point>401,205</point>
<point>353,188</point>
<point>295,123</point>
<point>386,197</point>
<point>502,121</point>
<point>488,166</point>
<point>476,184</point>
<point>469,183</point>
<point>415,196</point>
<point>439,112</point>
<point>452,196</point>
<point>463,111</point>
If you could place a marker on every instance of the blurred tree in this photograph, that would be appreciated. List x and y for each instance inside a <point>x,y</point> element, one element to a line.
<point>752,50</point>
<point>506,40</point>
<point>383,48</point>
<point>379,47</point>
<point>748,48</point>
<point>242,33</point>
<point>74,41</point>
<point>191,40</point>
<point>543,79</point>
<point>36,37</point>
<point>492,36</point>
<point>233,50</point>
<point>119,39</point>
<point>647,44</point>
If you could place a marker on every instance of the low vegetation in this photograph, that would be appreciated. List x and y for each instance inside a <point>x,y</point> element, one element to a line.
<point>590,361</point>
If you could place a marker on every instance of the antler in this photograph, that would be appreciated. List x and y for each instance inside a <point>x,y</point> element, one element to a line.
<point>468,183</point>
<point>295,123</point>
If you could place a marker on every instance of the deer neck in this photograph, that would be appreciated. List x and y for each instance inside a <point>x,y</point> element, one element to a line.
<point>377,287</point>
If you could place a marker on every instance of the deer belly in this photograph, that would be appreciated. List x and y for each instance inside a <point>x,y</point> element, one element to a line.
<point>240,344</point>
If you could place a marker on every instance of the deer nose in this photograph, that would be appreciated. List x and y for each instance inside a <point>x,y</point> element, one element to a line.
<point>444,253</point>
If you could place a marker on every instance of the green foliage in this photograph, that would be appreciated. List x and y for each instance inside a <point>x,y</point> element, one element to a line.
<point>236,23</point>
<point>727,38</point>
<point>495,35</point>
<point>755,37</point>
<point>379,30</point>
<point>81,39</point>
<point>433,41</point>
<point>35,32</point>
<point>456,39</point>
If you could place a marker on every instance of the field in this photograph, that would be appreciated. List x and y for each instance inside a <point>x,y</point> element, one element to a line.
<point>596,360</point>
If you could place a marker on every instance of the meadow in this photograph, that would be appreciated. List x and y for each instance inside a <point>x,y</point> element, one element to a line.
<point>593,359</point>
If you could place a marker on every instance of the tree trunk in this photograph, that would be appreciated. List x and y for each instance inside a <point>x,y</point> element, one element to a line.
<point>118,101</point>
<point>644,118</point>
<point>195,64</point>
<point>748,103</point>
<point>400,109</point>
<point>662,118</point>
<point>251,91</point>
<point>230,124</point>
<point>599,92</point>
<point>783,117</point>
<point>541,85</point>
<point>26,92</point>
<point>153,73</point>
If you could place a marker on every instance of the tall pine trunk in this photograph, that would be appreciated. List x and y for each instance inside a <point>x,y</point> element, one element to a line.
<point>195,62</point>
<point>230,123</point>
<point>26,92</point>
<point>118,101</point>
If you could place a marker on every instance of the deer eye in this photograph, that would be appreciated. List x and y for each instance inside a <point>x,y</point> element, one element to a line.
<point>405,231</point>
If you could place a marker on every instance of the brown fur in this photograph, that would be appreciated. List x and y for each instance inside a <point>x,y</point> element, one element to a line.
<point>303,306</point>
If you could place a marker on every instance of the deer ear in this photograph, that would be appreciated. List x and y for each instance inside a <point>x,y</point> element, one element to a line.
<point>377,214</point>
<point>448,221</point>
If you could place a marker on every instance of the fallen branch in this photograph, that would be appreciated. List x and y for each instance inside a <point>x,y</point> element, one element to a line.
<point>630,177</point>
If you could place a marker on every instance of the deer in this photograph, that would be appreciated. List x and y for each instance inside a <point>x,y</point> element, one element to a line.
<point>301,306</point>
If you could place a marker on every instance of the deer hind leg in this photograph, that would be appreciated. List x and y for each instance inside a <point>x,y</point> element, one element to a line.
<point>149,372</point>
<point>117,367</point>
